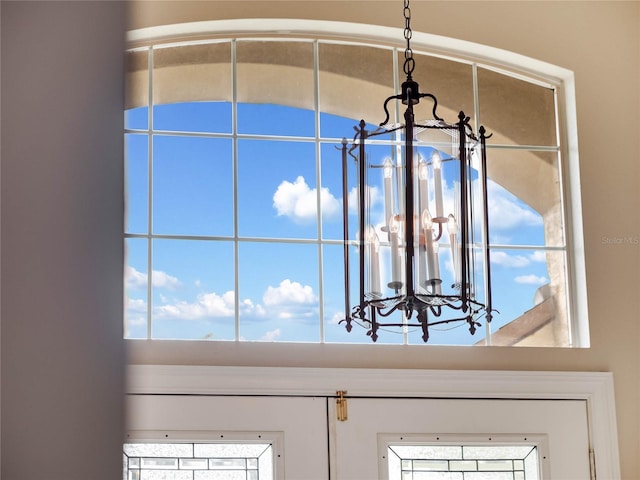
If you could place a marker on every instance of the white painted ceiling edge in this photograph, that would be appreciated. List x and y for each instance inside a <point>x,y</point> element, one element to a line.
<point>596,388</point>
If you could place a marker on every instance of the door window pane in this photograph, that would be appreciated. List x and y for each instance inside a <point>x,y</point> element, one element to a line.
<point>446,462</point>
<point>197,461</point>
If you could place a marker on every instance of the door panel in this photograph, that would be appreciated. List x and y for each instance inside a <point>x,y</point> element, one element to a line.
<point>302,421</point>
<point>563,423</point>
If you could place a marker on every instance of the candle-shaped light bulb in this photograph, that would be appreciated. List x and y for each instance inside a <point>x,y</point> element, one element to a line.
<point>427,225</point>
<point>395,282</point>
<point>387,173</point>
<point>437,281</point>
<point>452,225</point>
<point>423,179</point>
<point>423,170</point>
<point>453,229</point>
<point>427,221</point>
<point>373,244</point>
<point>437,181</point>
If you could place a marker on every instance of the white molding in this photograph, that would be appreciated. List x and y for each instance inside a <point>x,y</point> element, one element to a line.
<point>596,388</point>
<point>438,44</point>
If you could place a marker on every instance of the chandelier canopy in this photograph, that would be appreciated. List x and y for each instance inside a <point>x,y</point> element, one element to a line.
<point>422,226</point>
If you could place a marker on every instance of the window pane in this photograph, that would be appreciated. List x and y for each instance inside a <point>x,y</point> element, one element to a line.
<point>193,117</point>
<point>444,462</point>
<point>524,198</point>
<point>158,461</point>
<point>279,292</point>
<point>136,183</point>
<point>269,119</point>
<point>334,307</point>
<point>192,186</point>
<point>135,275</point>
<point>137,90</point>
<point>277,194</point>
<point>451,83</point>
<point>285,73</point>
<point>351,87</point>
<point>331,171</point>
<point>529,292</point>
<point>515,111</point>
<point>208,68</point>
<point>193,290</point>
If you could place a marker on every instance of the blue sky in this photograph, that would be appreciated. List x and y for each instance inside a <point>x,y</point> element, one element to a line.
<point>193,279</point>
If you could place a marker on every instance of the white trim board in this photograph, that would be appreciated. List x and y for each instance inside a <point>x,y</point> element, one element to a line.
<point>596,388</point>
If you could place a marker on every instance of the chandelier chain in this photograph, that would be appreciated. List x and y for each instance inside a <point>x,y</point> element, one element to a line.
<point>409,62</point>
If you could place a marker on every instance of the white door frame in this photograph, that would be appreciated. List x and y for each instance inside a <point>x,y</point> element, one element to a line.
<point>596,388</point>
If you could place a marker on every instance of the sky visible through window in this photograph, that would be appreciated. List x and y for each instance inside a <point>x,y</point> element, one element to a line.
<point>184,190</point>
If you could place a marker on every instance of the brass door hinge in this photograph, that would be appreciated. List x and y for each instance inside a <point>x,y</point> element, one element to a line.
<point>341,406</point>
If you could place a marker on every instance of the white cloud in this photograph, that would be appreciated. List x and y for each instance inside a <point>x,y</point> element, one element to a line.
<point>506,260</point>
<point>531,280</point>
<point>136,311</point>
<point>290,300</point>
<point>506,211</point>
<point>289,292</point>
<point>160,279</point>
<point>271,335</point>
<point>299,202</point>
<point>337,318</point>
<point>538,256</point>
<point>134,278</point>
<point>375,198</point>
<point>206,305</point>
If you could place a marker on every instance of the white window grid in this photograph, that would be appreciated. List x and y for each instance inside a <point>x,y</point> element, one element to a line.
<point>236,137</point>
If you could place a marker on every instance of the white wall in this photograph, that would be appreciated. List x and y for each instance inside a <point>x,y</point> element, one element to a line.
<point>62,211</point>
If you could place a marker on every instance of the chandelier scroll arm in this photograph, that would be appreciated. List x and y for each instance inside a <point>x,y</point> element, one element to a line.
<point>386,109</point>
<point>435,105</point>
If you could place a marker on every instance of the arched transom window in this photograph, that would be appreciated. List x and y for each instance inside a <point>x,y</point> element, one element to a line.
<point>233,188</point>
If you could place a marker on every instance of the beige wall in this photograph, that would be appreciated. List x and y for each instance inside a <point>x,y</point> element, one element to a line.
<point>600,42</point>
<point>62,351</point>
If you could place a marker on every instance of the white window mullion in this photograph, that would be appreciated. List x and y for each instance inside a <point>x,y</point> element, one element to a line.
<point>150,201</point>
<point>234,131</point>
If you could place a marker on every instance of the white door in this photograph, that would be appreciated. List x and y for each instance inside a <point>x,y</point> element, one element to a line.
<point>558,428</point>
<point>295,428</point>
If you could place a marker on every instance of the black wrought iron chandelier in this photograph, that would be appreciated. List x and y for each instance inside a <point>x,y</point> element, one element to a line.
<point>423,259</point>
